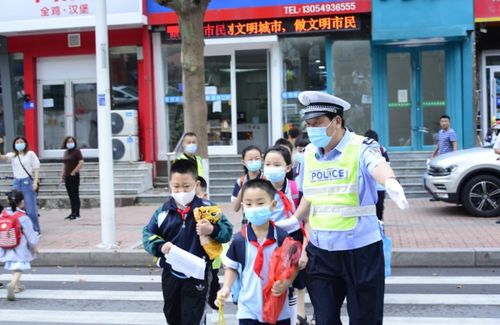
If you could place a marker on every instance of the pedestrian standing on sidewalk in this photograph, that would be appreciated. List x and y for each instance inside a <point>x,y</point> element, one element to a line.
<point>70,175</point>
<point>26,170</point>
<point>190,146</point>
<point>17,258</point>
<point>447,138</point>
<point>338,178</point>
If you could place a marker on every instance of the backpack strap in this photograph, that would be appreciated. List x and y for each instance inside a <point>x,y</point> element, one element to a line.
<point>295,192</point>
<point>16,214</point>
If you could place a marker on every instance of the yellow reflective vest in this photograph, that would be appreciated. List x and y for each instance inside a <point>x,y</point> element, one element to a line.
<point>199,163</point>
<point>331,186</point>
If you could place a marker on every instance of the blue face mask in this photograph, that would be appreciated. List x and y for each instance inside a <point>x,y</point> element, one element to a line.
<point>254,165</point>
<point>20,146</point>
<point>318,136</point>
<point>274,174</point>
<point>70,145</point>
<point>258,216</point>
<point>191,148</point>
<point>299,157</point>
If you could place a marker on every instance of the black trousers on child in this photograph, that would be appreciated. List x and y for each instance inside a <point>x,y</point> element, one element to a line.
<point>357,274</point>
<point>73,188</point>
<point>184,299</point>
<point>256,322</point>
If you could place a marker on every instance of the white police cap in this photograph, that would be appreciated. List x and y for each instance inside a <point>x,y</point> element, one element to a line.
<point>318,103</point>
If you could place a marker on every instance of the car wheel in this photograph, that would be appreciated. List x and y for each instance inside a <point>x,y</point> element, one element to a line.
<point>481,196</point>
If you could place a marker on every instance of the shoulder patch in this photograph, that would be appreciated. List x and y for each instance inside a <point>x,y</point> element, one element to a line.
<point>368,141</point>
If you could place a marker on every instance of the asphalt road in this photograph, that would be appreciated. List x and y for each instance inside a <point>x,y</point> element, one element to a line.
<point>133,296</point>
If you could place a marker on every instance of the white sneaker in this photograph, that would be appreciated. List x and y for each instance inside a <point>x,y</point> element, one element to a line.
<point>10,292</point>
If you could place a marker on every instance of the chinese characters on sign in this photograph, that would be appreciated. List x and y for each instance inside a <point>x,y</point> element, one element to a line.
<point>57,8</point>
<point>273,26</point>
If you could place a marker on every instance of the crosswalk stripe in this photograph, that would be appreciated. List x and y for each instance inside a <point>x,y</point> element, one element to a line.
<point>81,317</point>
<point>390,298</point>
<point>443,280</point>
<point>454,280</point>
<point>87,278</point>
<point>98,317</point>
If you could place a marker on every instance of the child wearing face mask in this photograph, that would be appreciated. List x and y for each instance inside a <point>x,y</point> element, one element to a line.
<point>190,147</point>
<point>172,227</point>
<point>250,251</point>
<point>301,143</point>
<point>277,169</point>
<point>251,159</point>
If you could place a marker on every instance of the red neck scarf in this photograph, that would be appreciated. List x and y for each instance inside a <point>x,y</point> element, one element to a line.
<point>183,214</point>
<point>259,260</point>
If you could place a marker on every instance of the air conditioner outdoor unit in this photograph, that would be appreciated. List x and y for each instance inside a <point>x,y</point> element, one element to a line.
<point>124,123</point>
<point>126,148</point>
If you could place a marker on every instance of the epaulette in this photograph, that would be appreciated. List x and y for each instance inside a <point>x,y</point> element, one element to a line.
<point>368,141</point>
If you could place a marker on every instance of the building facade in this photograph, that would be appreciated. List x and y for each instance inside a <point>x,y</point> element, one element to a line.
<point>400,63</point>
<point>49,75</point>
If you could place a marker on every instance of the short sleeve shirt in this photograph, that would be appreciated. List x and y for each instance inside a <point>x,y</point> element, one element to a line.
<point>445,140</point>
<point>29,161</point>
<point>250,300</point>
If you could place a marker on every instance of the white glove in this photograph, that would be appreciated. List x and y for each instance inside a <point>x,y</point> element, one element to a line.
<point>396,193</point>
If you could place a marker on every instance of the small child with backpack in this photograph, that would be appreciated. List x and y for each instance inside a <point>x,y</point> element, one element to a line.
<point>17,242</point>
<point>252,166</point>
<point>247,259</point>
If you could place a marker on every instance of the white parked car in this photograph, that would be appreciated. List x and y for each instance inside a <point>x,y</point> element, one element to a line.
<point>469,177</point>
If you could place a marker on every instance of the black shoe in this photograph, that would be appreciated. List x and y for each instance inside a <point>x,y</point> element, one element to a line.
<point>1,285</point>
<point>433,199</point>
<point>70,217</point>
<point>74,217</point>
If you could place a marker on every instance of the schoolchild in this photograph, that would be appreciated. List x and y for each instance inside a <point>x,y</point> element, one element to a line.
<point>17,258</point>
<point>251,159</point>
<point>282,142</point>
<point>201,192</point>
<point>250,251</point>
<point>301,143</point>
<point>277,169</point>
<point>172,227</point>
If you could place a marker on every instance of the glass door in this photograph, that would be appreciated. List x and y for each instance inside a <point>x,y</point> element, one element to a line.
<point>416,97</point>
<point>68,108</point>
<point>221,104</point>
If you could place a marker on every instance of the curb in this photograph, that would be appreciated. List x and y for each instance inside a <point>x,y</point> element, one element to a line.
<point>402,257</point>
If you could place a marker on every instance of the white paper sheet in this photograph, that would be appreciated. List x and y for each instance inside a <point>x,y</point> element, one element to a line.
<point>187,263</point>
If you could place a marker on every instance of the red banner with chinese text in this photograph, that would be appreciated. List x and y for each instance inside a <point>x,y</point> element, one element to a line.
<point>486,10</point>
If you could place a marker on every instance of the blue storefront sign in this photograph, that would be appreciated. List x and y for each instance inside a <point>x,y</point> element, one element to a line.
<point>208,98</point>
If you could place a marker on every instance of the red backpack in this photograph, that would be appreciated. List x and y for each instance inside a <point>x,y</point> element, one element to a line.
<point>10,229</point>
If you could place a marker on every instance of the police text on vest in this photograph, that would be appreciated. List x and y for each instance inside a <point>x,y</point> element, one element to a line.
<point>328,174</point>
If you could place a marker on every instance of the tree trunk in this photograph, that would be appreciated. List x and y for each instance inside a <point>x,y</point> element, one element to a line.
<point>193,76</point>
<point>191,14</point>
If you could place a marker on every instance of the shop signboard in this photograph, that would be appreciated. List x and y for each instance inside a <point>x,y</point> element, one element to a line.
<point>37,15</point>
<point>223,10</point>
<point>486,10</point>
<point>273,26</point>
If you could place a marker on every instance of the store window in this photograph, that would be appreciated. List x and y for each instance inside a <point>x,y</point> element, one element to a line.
<point>17,65</point>
<point>353,82</point>
<point>304,68</point>
<point>174,114</point>
<point>123,70</point>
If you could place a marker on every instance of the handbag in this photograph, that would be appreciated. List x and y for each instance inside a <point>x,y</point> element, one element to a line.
<point>29,175</point>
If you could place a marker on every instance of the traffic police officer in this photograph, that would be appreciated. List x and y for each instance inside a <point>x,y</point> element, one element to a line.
<point>338,179</point>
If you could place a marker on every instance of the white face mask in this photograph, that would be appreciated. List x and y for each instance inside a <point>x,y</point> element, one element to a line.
<point>184,198</point>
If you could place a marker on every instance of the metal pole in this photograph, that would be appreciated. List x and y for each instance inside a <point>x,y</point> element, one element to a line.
<point>107,192</point>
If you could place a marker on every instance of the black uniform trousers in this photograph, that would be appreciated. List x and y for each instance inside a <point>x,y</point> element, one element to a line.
<point>184,299</point>
<point>357,274</point>
<point>73,188</point>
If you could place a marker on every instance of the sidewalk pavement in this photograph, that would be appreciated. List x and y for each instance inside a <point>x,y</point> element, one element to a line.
<point>427,234</point>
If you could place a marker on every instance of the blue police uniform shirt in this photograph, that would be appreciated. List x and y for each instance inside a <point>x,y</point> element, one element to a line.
<point>367,230</point>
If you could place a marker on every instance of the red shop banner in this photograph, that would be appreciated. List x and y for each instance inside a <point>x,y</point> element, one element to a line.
<point>486,10</point>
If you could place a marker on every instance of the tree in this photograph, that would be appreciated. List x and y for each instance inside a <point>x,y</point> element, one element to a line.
<point>191,14</point>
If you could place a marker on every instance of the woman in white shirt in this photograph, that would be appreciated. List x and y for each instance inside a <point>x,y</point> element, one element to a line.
<point>26,170</point>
